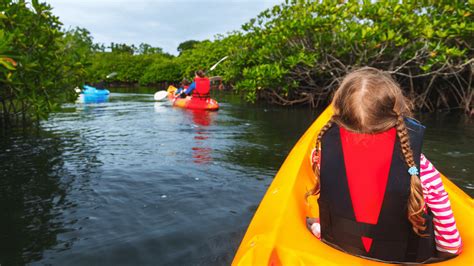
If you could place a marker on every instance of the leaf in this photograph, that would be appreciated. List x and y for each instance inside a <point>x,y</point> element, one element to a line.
<point>8,63</point>
<point>397,7</point>
<point>390,34</point>
<point>428,31</point>
<point>381,11</point>
<point>425,68</point>
<point>441,34</point>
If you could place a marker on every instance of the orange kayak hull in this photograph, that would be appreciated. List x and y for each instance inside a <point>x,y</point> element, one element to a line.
<point>196,103</point>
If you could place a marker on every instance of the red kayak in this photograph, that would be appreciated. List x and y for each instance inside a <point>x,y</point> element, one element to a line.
<point>195,103</point>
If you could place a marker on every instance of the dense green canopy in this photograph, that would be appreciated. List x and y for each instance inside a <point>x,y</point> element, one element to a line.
<point>45,63</point>
<point>297,52</point>
<point>293,53</point>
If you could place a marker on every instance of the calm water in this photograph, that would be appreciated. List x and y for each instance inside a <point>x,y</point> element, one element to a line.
<point>131,181</point>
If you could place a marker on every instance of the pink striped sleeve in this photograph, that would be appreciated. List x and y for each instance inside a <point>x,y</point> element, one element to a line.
<point>447,237</point>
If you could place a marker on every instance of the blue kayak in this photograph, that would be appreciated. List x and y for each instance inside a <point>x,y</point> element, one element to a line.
<point>94,91</point>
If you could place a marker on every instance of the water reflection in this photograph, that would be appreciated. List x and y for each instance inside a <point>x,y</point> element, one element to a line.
<point>266,135</point>
<point>35,179</point>
<point>160,107</point>
<point>448,145</point>
<point>202,150</point>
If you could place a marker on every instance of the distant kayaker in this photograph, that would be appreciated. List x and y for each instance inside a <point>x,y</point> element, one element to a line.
<point>183,86</point>
<point>379,196</point>
<point>200,87</point>
<point>171,89</point>
<point>100,85</point>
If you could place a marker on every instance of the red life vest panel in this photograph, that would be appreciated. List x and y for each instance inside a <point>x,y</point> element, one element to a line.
<point>203,86</point>
<point>364,192</point>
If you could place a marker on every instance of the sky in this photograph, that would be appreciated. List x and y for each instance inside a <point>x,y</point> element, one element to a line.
<point>160,23</point>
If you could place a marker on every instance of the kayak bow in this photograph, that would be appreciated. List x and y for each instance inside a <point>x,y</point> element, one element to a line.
<point>89,90</point>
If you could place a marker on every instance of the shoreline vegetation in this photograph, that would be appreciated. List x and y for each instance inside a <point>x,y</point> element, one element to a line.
<point>294,53</point>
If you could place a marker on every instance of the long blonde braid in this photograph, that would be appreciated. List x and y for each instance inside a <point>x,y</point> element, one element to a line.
<point>416,203</point>
<point>315,189</point>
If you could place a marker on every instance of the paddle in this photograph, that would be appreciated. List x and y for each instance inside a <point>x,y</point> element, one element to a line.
<point>111,75</point>
<point>214,66</point>
<point>160,95</point>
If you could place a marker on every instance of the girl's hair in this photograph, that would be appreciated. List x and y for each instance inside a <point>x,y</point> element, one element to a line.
<point>185,82</point>
<point>370,101</point>
<point>200,73</point>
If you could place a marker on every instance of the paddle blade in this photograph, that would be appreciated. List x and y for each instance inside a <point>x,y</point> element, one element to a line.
<point>214,66</point>
<point>77,90</point>
<point>160,95</point>
<point>113,74</point>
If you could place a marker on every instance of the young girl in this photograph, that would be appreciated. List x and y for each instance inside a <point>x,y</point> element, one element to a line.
<point>183,86</point>
<point>379,197</point>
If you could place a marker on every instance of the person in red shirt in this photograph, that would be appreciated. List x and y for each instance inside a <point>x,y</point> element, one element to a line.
<point>200,87</point>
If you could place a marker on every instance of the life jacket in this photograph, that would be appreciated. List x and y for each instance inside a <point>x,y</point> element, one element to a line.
<point>171,89</point>
<point>203,86</point>
<point>364,190</point>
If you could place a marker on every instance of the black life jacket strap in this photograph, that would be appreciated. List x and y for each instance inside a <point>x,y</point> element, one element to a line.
<point>384,236</point>
<point>359,229</point>
<point>368,230</point>
<point>415,250</point>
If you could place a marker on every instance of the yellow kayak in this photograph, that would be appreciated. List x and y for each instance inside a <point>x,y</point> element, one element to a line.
<point>277,234</point>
